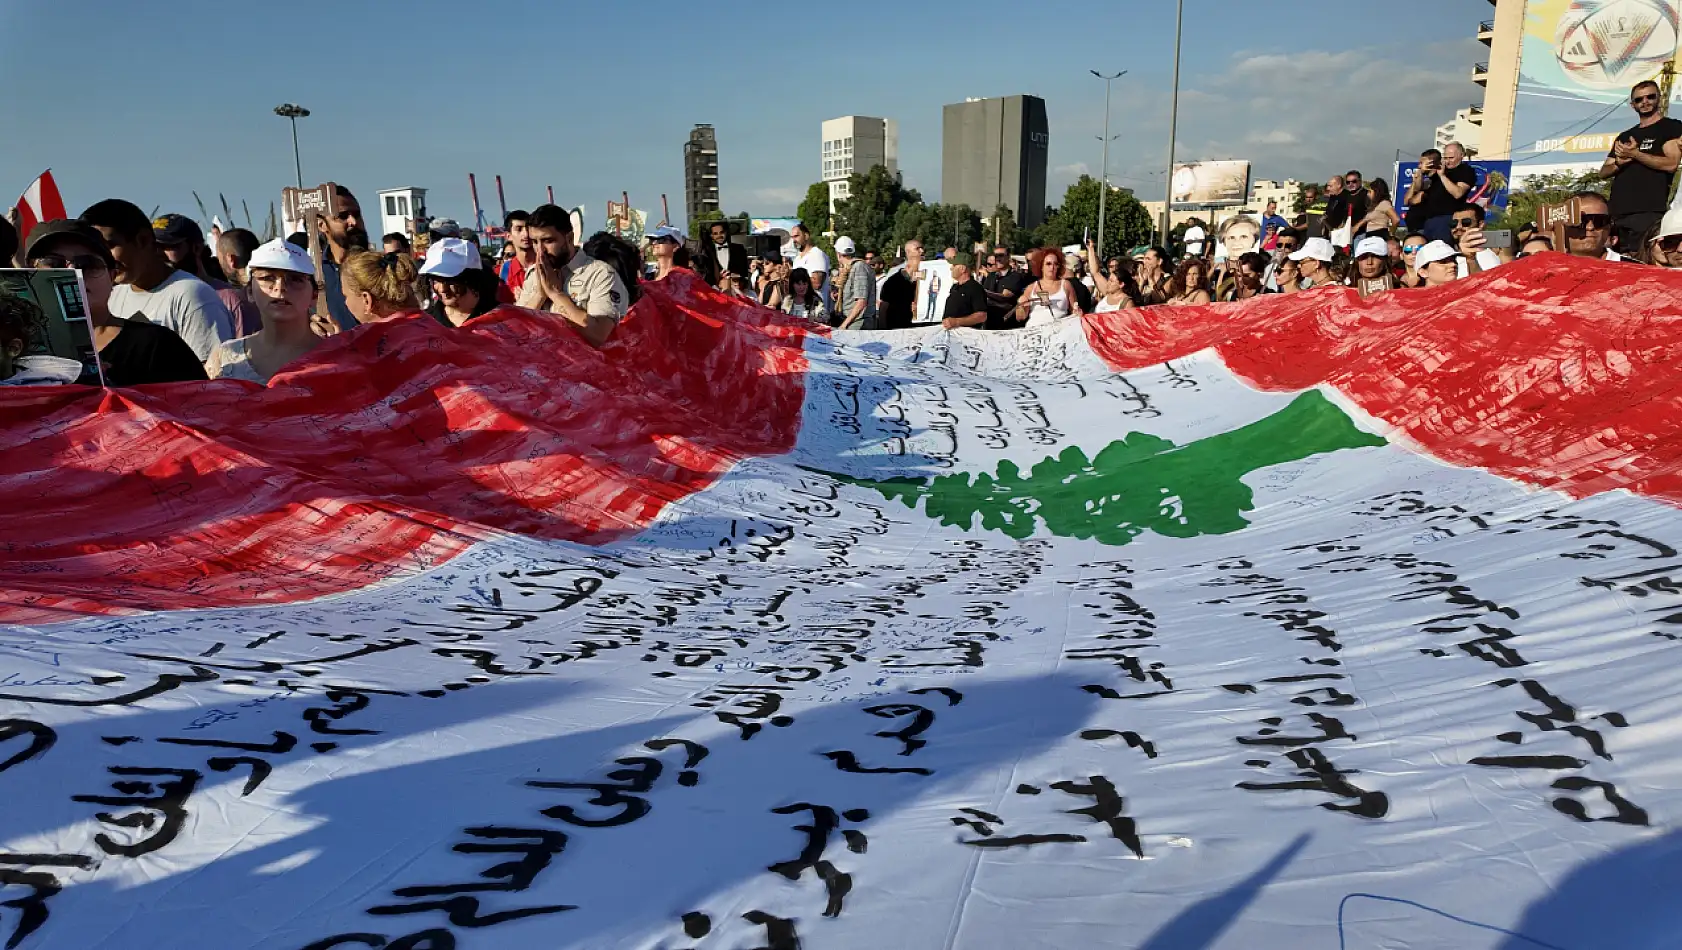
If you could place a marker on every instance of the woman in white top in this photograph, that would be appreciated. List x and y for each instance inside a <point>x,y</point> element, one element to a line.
<point>283,287</point>
<point>1113,284</point>
<point>1382,218</point>
<point>1051,297</point>
<point>802,299</point>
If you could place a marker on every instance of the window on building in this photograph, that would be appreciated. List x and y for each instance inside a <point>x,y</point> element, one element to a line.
<point>403,206</point>
<point>391,205</point>
<point>849,142</point>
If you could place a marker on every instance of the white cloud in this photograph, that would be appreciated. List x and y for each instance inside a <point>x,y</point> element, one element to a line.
<point>1312,113</point>
<point>776,196</point>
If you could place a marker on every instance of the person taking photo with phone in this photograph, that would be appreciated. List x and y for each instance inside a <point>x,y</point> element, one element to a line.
<point>1438,190</point>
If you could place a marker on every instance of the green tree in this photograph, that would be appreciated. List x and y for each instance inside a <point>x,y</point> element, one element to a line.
<point>1001,229</point>
<point>1140,483</point>
<point>867,215</point>
<point>698,227</point>
<point>938,226</point>
<point>1544,190</point>
<point>814,210</point>
<point>1126,222</point>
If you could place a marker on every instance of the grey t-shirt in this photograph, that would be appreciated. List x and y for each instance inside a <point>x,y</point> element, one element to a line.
<point>860,285</point>
<point>182,303</point>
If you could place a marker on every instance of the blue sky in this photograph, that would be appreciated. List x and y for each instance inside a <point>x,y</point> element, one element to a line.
<point>153,101</point>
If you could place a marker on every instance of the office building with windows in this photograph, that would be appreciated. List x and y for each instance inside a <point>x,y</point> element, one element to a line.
<point>993,152</point>
<point>853,144</point>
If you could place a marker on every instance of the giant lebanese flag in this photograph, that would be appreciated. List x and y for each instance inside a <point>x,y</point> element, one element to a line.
<point>1307,623</point>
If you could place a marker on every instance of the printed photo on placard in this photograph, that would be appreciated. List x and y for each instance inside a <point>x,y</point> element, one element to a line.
<point>65,329</point>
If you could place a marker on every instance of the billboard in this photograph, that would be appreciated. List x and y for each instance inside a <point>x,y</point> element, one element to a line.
<point>1578,60</point>
<point>1493,189</point>
<point>784,226</point>
<point>1201,184</point>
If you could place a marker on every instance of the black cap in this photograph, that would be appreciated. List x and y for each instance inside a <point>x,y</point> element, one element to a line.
<point>44,235</point>
<point>172,229</point>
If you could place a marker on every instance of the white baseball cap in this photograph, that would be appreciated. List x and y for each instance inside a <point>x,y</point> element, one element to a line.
<point>448,257</point>
<point>1372,246</point>
<point>1316,247</point>
<point>279,255</point>
<point>1434,252</point>
<point>666,231</point>
<point>1670,225</point>
<point>845,245</point>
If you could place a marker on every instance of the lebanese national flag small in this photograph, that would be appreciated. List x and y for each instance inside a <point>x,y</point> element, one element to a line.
<point>39,202</point>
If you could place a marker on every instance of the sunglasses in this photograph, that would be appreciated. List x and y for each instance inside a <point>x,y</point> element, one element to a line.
<point>82,262</point>
<point>1465,222</point>
<point>1352,181</point>
<point>1411,248</point>
<point>1670,243</point>
<point>1598,222</point>
<point>1647,98</point>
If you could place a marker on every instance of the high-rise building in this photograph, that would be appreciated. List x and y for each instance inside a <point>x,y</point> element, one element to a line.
<point>853,144</point>
<point>1466,128</point>
<point>993,152</point>
<point>700,172</point>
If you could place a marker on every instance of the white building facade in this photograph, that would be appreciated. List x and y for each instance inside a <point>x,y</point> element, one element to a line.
<point>851,145</point>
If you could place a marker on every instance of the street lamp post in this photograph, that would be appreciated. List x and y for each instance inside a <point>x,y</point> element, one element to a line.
<point>1173,122</point>
<point>1104,174</point>
<point>294,112</point>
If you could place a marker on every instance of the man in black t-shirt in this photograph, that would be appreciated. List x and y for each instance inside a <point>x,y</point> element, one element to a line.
<point>966,302</point>
<point>1642,165</point>
<point>1003,285</point>
<point>897,301</point>
<point>1439,189</point>
<point>132,351</point>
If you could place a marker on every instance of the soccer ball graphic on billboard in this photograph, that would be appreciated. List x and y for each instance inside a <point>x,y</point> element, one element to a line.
<point>1611,44</point>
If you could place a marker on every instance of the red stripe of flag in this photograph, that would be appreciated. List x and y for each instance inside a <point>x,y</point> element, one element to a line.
<point>40,202</point>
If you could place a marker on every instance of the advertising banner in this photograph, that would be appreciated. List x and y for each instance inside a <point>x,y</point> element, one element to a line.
<point>1491,192</point>
<point>1211,183</point>
<point>1578,61</point>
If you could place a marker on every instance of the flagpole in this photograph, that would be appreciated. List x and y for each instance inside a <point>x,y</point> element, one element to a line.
<point>1173,123</point>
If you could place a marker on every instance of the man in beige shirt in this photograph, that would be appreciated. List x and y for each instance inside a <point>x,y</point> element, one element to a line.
<point>569,282</point>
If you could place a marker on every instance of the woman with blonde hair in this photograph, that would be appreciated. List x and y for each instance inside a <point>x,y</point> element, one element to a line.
<point>283,288</point>
<point>378,286</point>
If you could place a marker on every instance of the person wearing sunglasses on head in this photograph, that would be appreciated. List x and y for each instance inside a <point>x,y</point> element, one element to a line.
<point>132,351</point>
<point>1642,166</point>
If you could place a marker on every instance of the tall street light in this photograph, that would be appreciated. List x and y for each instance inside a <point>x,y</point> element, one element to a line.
<point>1173,122</point>
<point>294,112</point>
<point>1104,185</point>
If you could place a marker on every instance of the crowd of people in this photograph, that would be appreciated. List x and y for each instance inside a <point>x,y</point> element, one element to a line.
<point>165,304</point>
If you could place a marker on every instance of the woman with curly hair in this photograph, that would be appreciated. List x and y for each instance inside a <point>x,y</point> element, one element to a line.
<point>1051,297</point>
<point>1190,284</point>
